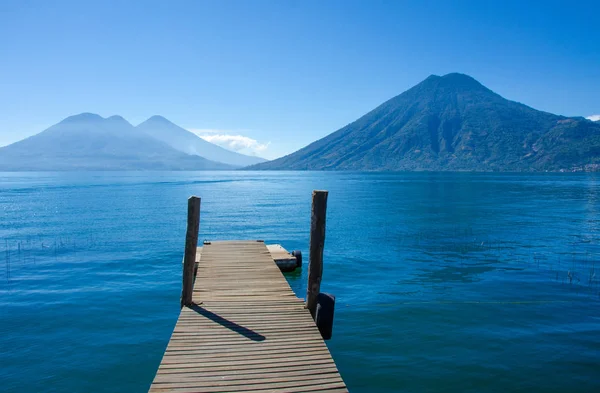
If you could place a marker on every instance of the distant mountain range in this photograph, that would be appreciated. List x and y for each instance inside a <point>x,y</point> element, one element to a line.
<point>181,139</point>
<point>452,123</point>
<point>445,123</point>
<point>91,142</point>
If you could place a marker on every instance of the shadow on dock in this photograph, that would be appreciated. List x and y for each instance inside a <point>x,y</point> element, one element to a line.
<point>248,333</point>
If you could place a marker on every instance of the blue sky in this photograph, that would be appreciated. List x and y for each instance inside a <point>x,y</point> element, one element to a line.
<point>273,76</point>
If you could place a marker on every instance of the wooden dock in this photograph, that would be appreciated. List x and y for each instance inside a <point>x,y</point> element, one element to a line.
<point>244,330</point>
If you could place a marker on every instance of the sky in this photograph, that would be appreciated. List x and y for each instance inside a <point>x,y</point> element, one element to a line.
<point>269,77</point>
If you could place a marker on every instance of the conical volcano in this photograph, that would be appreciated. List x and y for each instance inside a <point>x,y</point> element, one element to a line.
<point>453,123</point>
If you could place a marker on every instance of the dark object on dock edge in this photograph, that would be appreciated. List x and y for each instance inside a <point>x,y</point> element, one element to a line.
<point>298,255</point>
<point>324,314</point>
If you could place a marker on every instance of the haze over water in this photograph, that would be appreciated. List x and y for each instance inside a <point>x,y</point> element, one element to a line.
<point>454,282</point>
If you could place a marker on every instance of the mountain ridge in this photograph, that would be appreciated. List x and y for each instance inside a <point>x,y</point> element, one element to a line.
<point>187,142</point>
<point>451,122</point>
<point>90,142</point>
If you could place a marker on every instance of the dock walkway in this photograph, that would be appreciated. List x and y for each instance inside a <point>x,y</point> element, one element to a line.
<point>246,331</point>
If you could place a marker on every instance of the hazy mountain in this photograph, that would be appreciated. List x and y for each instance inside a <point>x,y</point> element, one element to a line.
<point>452,123</point>
<point>190,143</point>
<point>90,142</point>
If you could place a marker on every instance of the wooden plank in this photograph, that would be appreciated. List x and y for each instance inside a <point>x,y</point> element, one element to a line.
<point>317,243</point>
<point>274,387</point>
<point>207,368</point>
<point>217,353</point>
<point>244,330</point>
<point>249,376</point>
<point>191,245</point>
<point>269,380</point>
<point>275,369</point>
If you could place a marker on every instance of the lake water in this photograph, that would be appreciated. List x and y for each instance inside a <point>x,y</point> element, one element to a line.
<point>450,282</point>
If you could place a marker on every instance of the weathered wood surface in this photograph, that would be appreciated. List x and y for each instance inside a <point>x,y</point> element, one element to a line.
<point>191,245</point>
<point>246,331</point>
<point>317,243</point>
<point>282,257</point>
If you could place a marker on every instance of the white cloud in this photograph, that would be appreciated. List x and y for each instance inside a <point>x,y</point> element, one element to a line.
<point>593,117</point>
<point>233,141</point>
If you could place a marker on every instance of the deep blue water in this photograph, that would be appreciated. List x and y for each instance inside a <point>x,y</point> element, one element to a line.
<point>450,282</point>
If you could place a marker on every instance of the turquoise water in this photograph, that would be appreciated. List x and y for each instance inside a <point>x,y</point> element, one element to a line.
<point>444,282</point>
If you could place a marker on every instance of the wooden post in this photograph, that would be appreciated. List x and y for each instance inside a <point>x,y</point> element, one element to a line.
<point>317,242</point>
<point>191,245</point>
